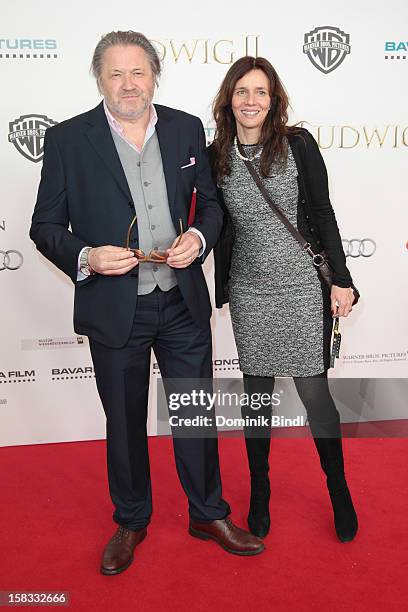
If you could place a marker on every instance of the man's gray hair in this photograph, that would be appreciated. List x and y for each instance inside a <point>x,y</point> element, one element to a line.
<point>125,39</point>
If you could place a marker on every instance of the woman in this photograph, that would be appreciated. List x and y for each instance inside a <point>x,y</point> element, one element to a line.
<point>281,311</point>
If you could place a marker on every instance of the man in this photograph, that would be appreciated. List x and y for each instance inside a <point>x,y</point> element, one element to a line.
<point>127,156</point>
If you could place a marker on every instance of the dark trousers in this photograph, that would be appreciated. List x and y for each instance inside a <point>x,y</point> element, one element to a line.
<point>163,323</point>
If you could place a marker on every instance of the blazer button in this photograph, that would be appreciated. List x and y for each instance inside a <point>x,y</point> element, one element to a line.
<point>312,229</point>
<point>303,201</point>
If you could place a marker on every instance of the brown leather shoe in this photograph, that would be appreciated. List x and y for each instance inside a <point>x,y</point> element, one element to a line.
<point>118,554</point>
<point>231,538</point>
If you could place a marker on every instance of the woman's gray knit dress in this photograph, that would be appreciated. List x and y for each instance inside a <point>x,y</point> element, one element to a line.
<point>275,294</point>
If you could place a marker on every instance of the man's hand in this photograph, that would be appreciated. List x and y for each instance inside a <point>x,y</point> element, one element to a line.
<point>186,252</point>
<point>111,260</point>
<point>341,301</point>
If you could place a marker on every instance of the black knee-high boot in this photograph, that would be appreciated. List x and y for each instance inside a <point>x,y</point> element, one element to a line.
<point>324,421</point>
<point>259,520</point>
<point>257,442</point>
<point>331,459</point>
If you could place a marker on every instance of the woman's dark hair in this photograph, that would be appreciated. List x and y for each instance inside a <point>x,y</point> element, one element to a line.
<point>274,129</point>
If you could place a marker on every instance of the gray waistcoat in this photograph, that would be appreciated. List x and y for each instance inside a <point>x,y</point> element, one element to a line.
<point>145,177</point>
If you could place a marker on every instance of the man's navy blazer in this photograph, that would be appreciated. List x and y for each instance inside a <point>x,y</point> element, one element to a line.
<point>84,200</point>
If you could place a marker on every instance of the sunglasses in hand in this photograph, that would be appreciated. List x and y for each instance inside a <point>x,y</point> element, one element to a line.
<point>155,256</point>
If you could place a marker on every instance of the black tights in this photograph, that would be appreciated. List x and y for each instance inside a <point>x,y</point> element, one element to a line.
<point>322,414</point>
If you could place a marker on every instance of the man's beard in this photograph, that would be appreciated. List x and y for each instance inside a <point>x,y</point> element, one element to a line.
<point>128,112</point>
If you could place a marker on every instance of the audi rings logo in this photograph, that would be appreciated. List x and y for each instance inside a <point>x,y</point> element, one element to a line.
<point>356,247</point>
<point>10,260</point>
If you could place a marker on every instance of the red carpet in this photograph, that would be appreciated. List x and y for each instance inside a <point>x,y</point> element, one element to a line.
<point>55,520</point>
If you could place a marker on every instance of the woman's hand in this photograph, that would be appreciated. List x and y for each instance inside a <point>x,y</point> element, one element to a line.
<point>341,300</point>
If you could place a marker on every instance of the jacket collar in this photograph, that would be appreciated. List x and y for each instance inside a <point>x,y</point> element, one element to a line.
<point>168,135</point>
<point>100,137</point>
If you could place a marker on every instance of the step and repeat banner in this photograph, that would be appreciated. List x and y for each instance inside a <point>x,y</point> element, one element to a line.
<point>345,68</point>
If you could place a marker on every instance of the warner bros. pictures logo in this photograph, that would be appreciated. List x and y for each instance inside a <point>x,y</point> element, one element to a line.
<point>326,47</point>
<point>27,135</point>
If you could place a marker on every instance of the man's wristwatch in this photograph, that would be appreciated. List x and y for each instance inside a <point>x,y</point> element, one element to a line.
<point>84,266</point>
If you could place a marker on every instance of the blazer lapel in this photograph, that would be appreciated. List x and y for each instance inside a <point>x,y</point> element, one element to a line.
<point>100,137</point>
<point>168,136</point>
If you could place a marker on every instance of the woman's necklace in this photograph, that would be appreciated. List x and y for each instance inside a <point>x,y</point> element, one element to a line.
<point>258,154</point>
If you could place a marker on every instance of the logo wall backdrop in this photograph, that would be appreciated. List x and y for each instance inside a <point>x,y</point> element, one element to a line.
<point>347,84</point>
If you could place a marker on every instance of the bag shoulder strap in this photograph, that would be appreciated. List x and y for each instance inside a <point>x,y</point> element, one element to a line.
<point>296,235</point>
